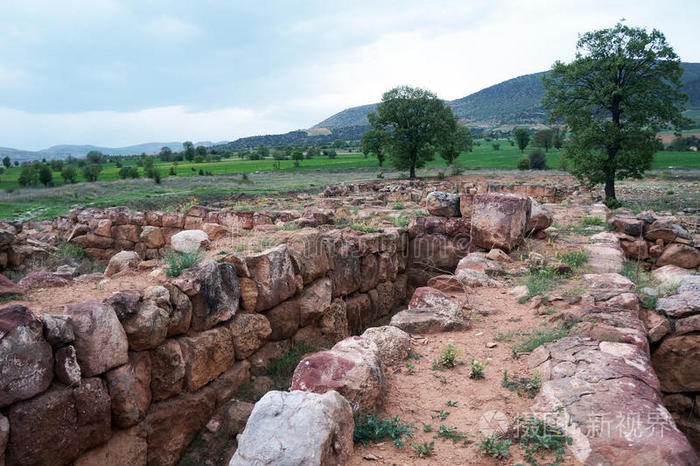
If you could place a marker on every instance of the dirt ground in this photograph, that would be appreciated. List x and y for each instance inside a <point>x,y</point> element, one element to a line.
<point>483,406</point>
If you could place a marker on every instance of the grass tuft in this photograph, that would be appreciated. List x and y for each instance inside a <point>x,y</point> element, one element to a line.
<point>176,262</point>
<point>370,428</point>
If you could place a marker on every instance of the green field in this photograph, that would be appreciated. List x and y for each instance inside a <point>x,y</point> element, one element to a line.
<point>39,202</point>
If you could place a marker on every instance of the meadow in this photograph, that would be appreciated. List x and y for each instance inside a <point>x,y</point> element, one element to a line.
<point>264,178</point>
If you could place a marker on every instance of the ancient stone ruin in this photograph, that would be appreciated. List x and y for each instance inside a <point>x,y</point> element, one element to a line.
<point>134,375</point>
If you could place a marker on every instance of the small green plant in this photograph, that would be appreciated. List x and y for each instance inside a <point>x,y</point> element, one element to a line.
<point>592,221</point>
<point>523,385</point>
<point>380,175</point>
<point>539,338</point>
<point>410,367</point>
<point>452,404</point>
<point>414,356</point>
<point>477,370</point>
<point>361,227</point>
<point>176,262</point>
<point>427,427</point>
<point>424,450</point>
<point>494,446</point>
<point>370,428</point>
<point>450,433</point>
<point>634,271</point>
<point>401,221</point>
<point>539,436</point>
<point>539,281</point>
<point>575,259</point>
<point>398,206</point>
<point>441,378</point>
<point>441,175</point>
<point>448,358</point>
<point>442,414</point>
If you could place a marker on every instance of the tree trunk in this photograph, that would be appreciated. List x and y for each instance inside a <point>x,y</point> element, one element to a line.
<point>412,175</point>
<point>610,187</point>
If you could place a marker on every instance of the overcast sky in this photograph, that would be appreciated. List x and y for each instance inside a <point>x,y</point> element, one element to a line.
<point>119,72</point>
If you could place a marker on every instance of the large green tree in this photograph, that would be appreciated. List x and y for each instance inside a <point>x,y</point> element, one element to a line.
<point>460,141</point>
<point>373,142</point>
<point>415,123</point>
<point>623,85</point>
<point>522,138</point>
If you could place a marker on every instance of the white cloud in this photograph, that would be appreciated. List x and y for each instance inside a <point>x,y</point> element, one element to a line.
<point>170,29</point>
<point>38,131</point>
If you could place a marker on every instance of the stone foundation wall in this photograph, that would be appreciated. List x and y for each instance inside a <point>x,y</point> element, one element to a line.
<point>133,379</point>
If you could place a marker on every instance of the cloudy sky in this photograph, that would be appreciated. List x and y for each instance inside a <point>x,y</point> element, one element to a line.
<point>121,72</point>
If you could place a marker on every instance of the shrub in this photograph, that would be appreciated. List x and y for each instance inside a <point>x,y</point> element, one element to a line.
<point>370,428</point>
<point>448,358</point>
<point>538,160</point>
<point>524,163</point>
<point>496,146</point>
<point>494,446</point>
<point>477,371</point>
<point>176,262</point>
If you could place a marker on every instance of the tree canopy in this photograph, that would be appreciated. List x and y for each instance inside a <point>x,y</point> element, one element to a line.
<point>460,141</point>
<point>623,85</point>
<point>373,142</point>
<point>415,123</point>
<point>522,138</point>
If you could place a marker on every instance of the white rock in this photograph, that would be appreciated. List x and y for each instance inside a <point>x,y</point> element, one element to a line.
<point>188,241</point>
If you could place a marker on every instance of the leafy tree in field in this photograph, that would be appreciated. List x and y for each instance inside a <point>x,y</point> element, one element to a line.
<point>262,151</point>
<point>297,156</point>
<point>524,163</point>
<point>544,138</point>
<point>172,172</point>
<point>538,160</point>
<point>92,171</point>
<point>128,172</point>
<point>330,153</point>
<point>312,151</point>
<point>6,162</point>
<point>201,150</point>
<point>165,154</point>
<point>338,143</point>
<point>16,163</point>
<point>623,85</point>
<point>148,167</point>
<point>56,165</point>
<point>461,141</point>
<point>373,142</point>
<point>522,138</point>
<point>415,122</point>
<point>69,173</point>
<point>45,175</point>
<point>189,150</point>
<point>496,146</point>
<point>29,176</point>
<point>95,156</point>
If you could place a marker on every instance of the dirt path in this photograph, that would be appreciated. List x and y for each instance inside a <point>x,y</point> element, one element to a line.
<point>419,397</point>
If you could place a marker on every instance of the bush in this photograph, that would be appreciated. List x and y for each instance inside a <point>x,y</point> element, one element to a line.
<point>496,146</point>
<point>370,428</point>
<point>538,160</point>
<point>179,261</point>
<point>524,163</point>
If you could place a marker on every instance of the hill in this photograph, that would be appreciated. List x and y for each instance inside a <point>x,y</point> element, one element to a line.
<point>515,101</point>
<point>65,150</point>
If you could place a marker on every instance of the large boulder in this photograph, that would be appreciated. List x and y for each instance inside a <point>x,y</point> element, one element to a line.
<point>123,260</point>
<point>307,249</point>
<point>297,428</point>
<point>130,389</point>
<point>189,241</point>
<point>540,218</point>
<point>152,237</point>
<point>352,368</point>
<point>273,272</point>
<point>26,359</point>
<point>172,424</point>
<point>431,311</point>
<point>148,326</point>
<point>57,426</point>
<point>249,333</point>
<point>100,340</point>
<point>481,263</point>
<point>206,354</point>
<point>677,363</point>
<point>681,255</point>
<point>605,396</point>
<point>442,204</point>
<point>34,280</point>
<point>499,220</point>
<point>214,291</point>
<point>393,343</point>
<point>9,288</point>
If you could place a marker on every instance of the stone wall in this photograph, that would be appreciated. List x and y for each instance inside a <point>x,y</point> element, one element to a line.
<point>133,379</point>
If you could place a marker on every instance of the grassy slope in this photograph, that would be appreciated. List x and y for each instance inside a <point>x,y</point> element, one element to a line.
<point>45,203</point>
